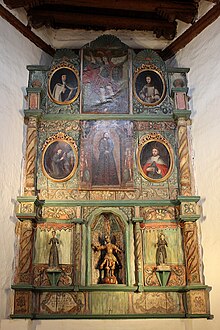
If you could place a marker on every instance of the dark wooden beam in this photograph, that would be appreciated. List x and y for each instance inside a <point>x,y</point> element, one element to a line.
<point>26,31</point>
<point>191,33</point>
<point>64,19</point>
<point>138,5</point>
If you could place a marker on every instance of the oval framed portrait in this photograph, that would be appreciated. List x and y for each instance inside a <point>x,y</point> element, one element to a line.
<point>155,159</point>
<point>149,87</point>
<point>59,160</point>
<point>63,85</point>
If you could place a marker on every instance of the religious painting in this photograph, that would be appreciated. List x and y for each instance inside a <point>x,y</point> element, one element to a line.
<point>106,154</point>
<point>63,86</point>
<point>105,81</point>
<point>59,158</point>
<point>149,86</point>
<point>155,158</point>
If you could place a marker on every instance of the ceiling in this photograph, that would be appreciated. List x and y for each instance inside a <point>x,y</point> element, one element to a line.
<point>165,26</point>
<point>159,17</point>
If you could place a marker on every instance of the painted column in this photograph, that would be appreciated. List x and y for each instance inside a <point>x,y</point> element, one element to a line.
<point>138,249</point>
<point>188,208</point>
<point>23,293</point>
<point>31,155</point>
<point>25,253</point>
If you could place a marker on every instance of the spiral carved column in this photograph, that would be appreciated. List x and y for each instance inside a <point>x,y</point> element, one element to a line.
<point>138,254</point>
<point>189,229</point>
<point>31,153</point>
<point>25,253</point>
<point>185,179</point>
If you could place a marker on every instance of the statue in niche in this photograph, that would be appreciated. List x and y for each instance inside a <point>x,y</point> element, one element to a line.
<point>53,256</point>
<point>161,253</point>
<point>109,262</point>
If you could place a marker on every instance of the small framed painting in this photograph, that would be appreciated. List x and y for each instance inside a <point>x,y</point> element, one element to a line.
<point>149,87</point>
<point>59,158</point>
<point>155,158</point>
<point>63,85</point>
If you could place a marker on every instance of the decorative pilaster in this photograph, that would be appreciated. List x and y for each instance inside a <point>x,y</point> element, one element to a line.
<point>78,221</point>
<point>189,211</point>
<point>25,253</point>
<point>31,116</point>
<point>31,153</point>
<point>29,210</point>
<point>138,248</point>
<point>185,179</point>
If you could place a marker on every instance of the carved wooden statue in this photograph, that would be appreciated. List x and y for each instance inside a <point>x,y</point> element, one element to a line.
<point>161,253</point>
<point>54,256</point>
<point>109,261</point>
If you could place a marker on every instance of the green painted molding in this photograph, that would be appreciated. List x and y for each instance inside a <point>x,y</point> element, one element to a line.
<point>178,70</point>
<point>159,221</point>
<point>33,113</point>
<point>181,114</point>
<point>25,199</point>
<point>23,216</point>
<point>111,316</point>
<point>179,89</point>
<point>22,316</point>
<point>53,220</point>
<point>111,203</point>
<point>22,287</point>
<point>77,220</point>
<point>110,287</point>
<point>132,117</point>
<point>198,316</point>
<point>188,198</point>
<point>37,68</point>
<point>189,218</point>
<point>134,220</point>
<point>33,89</point>
<point>30,199</point>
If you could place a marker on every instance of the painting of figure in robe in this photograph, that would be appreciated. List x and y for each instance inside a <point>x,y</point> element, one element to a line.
<point>106,158</point>
<point>105,81</point>
<point>59,161</point>
<point>155,161</point>
<point>105,172</point>
<point>63,87</point>
<point>149,87</point>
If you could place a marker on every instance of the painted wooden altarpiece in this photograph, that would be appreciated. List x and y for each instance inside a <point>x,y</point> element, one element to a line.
<point>108,219</point>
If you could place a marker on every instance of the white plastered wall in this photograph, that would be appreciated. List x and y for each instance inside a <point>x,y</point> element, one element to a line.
<point>202,56</point>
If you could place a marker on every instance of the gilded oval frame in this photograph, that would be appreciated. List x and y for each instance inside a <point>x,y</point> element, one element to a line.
<point>148,143</point>
<point>139,83</point>
<point>55,84</point>
<point>52,163</point>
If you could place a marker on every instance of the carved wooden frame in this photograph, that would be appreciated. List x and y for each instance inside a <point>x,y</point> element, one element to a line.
<point>64,138</point>
<point>152,71</point>
<point>159,139</point>
<point>68,69</point>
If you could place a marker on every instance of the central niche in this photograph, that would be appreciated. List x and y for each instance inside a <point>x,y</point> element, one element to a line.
<point>108,249</point>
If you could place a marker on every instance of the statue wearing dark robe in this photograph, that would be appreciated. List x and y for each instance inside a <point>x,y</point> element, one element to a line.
<point>53,256</point>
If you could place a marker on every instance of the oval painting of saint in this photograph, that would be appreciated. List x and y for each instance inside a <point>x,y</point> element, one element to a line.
<point>59,161</point>
<point>155,161</point>
<point>63,87</point>
<point>149,87</point>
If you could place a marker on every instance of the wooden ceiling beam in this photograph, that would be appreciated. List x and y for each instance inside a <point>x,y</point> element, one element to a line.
<point>26,31</point>
<point>191,33</point>
<point>138,5</point>
<point>73,20</point>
